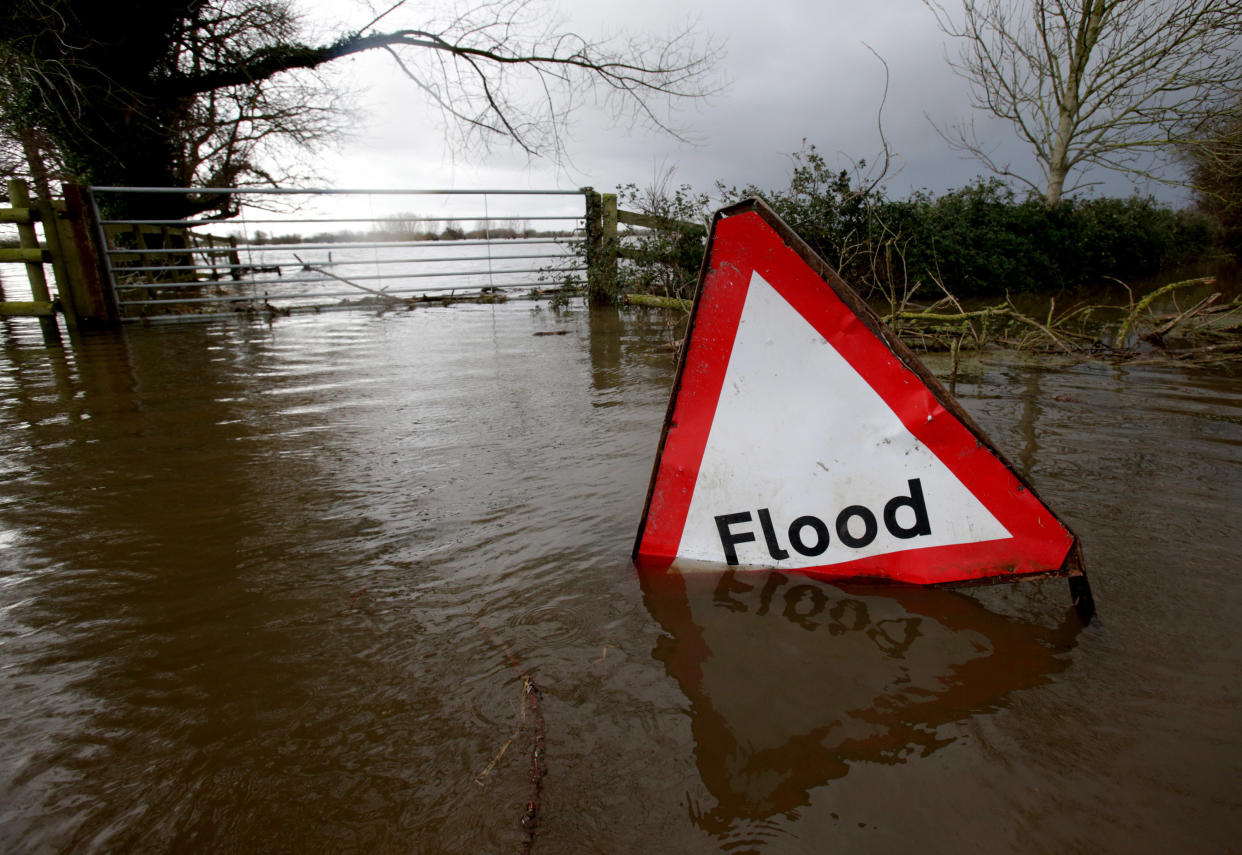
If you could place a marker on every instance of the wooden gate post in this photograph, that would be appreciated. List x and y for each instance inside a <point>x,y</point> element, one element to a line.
<point>49,214</point>
<point>87,279</point>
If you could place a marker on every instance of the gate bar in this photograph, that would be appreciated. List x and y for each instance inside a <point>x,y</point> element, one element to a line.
<point>278,247</point>
<point>395,277</point>
<point>368,263</point>
<point>377,220</point>
<point>331,191</point>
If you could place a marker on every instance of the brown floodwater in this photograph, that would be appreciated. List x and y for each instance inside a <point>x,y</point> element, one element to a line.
<point>274,589</point>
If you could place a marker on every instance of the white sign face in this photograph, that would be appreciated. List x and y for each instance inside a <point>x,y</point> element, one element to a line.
<point>806,465</point>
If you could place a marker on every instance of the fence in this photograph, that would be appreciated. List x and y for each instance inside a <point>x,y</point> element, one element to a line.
<point>606,246</point>
<point>115,269</point>
<point>489,247</point>
<point>68,232</point>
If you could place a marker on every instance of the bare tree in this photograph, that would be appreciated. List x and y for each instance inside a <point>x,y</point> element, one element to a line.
<point>181,92</point>
<point>1108,83</point>
<point>1215,162</point>
<point>250,133</point>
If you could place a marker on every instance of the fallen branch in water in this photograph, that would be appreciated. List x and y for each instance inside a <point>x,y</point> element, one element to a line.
<point>1005,311</point>
<point>538,762</point>
<point>531,700</point>
<point>1096,330</point>
<point>1211,354</point>
<point>658,302</point>
<point>1157,335</point>
<point>1128,324</point>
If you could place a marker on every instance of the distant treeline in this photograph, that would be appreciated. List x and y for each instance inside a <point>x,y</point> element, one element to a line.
<point>410,227</point>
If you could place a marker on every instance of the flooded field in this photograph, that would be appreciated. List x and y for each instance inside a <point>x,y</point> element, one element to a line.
<point>276,588</point>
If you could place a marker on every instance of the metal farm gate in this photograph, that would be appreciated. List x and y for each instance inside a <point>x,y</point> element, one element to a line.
<point>311,249</point>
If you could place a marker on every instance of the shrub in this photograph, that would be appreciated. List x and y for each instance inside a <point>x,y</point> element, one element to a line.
<point>978,240</point>
<point>982,239</point>
<point>663,261</point>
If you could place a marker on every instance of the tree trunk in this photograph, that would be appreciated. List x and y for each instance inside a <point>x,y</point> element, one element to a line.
<point>1058,163</point>
<point>1069,100</point>
<point>34,160</point>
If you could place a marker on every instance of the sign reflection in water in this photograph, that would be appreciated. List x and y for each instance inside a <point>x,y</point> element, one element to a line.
<point>791,680</point>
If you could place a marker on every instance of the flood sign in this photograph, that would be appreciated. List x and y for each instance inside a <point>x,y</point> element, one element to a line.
<point>803,435</point>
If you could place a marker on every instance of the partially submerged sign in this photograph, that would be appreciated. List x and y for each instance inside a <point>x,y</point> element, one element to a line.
<point>803,435</point>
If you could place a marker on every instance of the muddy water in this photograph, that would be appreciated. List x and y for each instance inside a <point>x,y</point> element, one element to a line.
<point>271,589</point>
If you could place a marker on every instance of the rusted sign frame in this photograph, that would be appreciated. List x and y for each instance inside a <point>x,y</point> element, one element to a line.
<point>1072,567</point>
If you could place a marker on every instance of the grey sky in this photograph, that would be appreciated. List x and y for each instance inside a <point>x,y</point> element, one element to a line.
<point>797,69</point>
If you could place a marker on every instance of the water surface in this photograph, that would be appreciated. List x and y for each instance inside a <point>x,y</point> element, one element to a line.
<point>272,588</point>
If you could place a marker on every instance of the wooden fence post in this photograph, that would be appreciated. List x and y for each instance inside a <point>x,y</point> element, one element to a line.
<point>593,220</point>
<point>234,259</point>
<point>19,197</point>
<point>609,247</point>
<point>602,245</point>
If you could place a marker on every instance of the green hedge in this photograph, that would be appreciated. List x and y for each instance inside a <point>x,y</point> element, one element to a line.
<point>982,239</point>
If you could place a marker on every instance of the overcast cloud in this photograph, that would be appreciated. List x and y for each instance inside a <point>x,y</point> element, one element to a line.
<point>797,69</point>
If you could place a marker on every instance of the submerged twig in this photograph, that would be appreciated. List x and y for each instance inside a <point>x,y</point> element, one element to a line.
<point>531,700</point>
<point>538,763</point>
<point>1056,339</point>
<point>509,742</point>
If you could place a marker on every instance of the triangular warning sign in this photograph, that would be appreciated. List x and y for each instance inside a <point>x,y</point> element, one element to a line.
<point>802,435</point>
